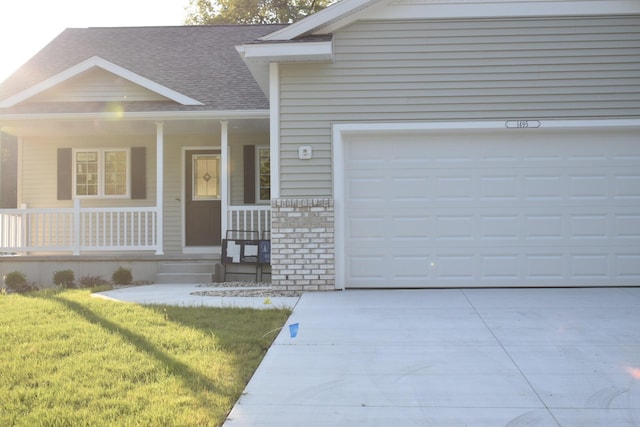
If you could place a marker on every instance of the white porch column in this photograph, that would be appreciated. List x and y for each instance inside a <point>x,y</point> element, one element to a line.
<point>274,124</point>
<point>224,182</point>
<point>160,187</point>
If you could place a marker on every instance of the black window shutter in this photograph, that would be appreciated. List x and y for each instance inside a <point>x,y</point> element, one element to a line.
<point>65,169</point>
<point>249,174</point>
<point>138,172</point>
<point>8,171</point>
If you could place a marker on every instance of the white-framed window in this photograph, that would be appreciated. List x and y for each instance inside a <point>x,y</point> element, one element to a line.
<point>263,174</point>
<point>101,172</point>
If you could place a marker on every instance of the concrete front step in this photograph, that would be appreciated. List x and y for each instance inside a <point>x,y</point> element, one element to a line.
<point>187,272</point>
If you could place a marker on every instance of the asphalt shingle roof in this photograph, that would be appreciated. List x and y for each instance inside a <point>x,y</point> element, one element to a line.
<point>197,61</point>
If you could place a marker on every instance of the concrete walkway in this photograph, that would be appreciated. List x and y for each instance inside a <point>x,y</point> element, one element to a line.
<point>470,357</point>
<point>186,295</point>
<point>482,357</point>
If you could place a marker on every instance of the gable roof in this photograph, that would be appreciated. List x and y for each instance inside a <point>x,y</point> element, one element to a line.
<point>194,67</point>
<point>97,62</point>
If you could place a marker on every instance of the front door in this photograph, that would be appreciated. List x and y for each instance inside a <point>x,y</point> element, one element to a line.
<point>202,198</point>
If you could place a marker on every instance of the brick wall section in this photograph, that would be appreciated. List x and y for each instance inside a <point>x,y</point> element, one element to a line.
<point>302,245</point>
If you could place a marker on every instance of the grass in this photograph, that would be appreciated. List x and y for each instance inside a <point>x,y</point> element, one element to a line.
<point>68,359</point>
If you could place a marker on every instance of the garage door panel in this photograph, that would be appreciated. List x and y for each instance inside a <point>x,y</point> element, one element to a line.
<point>588,187</point>
<point>493,209</point>
<point>543,226</point>
<point>367,228</point>
<point>591,266</point>
<point>627,187</point>
<point>368,189</point>
<point>544,267</point>
<point>543,187</point>
<point>405,228</point>
<point>627,227</point>
<point>368,268</point>
<point>588,226</point>
<point>500,267</point>
<point>410,189</point>
<point>499,227</point>
<point>454,227</point>
<point>628,267</point>
<point>498,188</point>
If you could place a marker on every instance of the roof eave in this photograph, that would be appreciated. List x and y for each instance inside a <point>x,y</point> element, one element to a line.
<point>313,23</point>
<point>258,56</point>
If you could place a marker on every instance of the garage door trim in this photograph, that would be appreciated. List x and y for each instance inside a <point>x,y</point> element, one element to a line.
<point>341,133</point>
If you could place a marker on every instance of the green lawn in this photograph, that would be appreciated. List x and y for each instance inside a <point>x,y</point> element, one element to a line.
<point>68,359</point>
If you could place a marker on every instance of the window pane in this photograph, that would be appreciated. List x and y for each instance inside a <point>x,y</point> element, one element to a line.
<point>264,174</point>
<point>86,173</point>
<point>115,177</point>
<point>206,176</point>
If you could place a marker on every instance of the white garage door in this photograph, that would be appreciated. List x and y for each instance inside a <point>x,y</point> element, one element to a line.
<point>492,208</point>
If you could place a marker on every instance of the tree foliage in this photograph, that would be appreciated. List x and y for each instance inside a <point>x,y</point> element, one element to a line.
<point>212,12</point>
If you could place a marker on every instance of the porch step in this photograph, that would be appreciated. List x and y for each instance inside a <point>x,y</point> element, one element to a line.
<point>187,272</point>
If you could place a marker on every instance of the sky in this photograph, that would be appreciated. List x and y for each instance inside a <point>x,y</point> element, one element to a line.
<point>26,26</point>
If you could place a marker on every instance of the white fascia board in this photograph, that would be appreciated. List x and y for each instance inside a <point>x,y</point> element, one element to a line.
<point>260,73</point>
<point>142,115</point>
<point>257,57</point>
<point>468,9</point>
<point>92,62</point>
<point>288,52</point>
<point>311,23</point>
<point>346,11</point>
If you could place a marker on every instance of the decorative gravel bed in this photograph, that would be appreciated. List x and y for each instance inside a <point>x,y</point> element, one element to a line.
<point>235,285</point>
<point>242,289</point>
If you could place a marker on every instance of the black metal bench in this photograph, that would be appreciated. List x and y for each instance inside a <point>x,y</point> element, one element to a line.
<point>245,248</point>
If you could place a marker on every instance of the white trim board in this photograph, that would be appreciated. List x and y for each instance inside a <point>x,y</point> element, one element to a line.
<point>92,62</point>
<point>183,228</point>
<point>345,12</point>
<point>342,130</point>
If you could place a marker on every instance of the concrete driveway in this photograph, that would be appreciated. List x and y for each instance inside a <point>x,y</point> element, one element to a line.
<point>480,357</point>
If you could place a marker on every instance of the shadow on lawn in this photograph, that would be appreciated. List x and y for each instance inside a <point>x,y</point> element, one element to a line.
<point>191,379</point>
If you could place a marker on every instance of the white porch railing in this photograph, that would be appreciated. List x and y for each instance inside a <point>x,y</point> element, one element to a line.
<point>78,229</point>
<point>250,218</point>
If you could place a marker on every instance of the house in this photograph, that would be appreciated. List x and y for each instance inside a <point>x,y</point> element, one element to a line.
<point>456,143</point>
<point>134,147</point>
<point>432,143</point>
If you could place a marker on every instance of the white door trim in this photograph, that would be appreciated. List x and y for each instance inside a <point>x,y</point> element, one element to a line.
<point>192,249</point>
<point>340,132</point>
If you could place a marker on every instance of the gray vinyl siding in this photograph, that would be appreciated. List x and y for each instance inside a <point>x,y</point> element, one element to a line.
<point>455,70</point>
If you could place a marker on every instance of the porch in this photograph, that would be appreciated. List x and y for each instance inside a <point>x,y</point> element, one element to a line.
<point>84,230</point>
<point>97,241</point>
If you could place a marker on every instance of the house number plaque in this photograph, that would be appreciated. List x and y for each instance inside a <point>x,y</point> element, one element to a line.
<point>522,124</point>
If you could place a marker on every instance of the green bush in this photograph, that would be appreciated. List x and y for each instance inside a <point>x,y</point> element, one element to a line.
<point>92,281</point>
<point>122,276</point>
<point>64,278</point>
<point>17,282</point>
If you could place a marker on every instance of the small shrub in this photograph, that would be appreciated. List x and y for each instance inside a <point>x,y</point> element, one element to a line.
<point>64,278</point>
<point>17,282</point>
<point>15,278</point>
<point>92,281</point>
<point>122,276</point>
